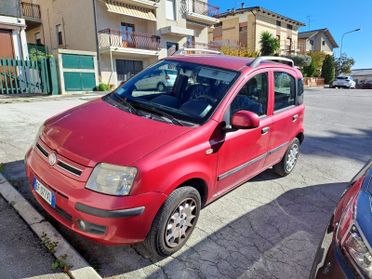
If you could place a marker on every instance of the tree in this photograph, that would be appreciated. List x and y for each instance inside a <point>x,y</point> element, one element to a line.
<point>317,58</point>
<point>269,44</point>
<point>328,69</point>
<point>343,64</point>
<point>238,51</point>
<point>300,60</point>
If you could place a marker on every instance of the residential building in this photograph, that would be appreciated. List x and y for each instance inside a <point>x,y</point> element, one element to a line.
<point>317,40</point>
<point>13,43</point>
<point>244,26</point>
<point>362,76</point>
<point>122,36</point>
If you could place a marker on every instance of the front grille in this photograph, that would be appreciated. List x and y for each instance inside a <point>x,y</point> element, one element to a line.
<point>42,150</point>
<point>69,168</point>
<point>62,164</point>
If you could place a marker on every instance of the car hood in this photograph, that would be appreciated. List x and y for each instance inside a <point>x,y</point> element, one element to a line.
<point>99,132</point>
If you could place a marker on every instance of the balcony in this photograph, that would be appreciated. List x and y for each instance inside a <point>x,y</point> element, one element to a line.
<point>140,44</point>
<point>31,13</point>
<point>201,12</point>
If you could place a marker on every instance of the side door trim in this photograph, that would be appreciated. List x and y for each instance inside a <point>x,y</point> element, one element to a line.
<point>250,162</point>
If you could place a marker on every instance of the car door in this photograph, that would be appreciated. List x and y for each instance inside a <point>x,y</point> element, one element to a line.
<point>287,116</point>
<point>241,155</point>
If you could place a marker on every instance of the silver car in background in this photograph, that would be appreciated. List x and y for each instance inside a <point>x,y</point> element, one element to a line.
<point>344,82</point>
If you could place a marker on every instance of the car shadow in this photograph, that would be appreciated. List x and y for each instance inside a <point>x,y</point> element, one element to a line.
<point>277,239</point>
<point>356,145</point>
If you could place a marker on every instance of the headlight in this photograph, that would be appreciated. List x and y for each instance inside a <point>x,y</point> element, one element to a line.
<point>358,251</point>
<point>39,132</point>
<point>111,179</point>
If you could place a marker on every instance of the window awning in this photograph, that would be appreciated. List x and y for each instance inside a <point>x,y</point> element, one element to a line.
<point>130,10</point>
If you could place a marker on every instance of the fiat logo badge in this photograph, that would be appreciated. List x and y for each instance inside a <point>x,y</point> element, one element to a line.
<point>52,159</point>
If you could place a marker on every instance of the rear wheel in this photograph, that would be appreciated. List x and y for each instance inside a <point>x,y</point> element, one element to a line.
<point>174,222</point>
<point>287,164</point>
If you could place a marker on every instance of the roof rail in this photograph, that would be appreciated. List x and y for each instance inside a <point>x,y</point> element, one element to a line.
<point>256,62</point>
<point>190,50</point>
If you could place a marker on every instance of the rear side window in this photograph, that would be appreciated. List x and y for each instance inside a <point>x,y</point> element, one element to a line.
<point>285,90</point>
<point>300,92</point>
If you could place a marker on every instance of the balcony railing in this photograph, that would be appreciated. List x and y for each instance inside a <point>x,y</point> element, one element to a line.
<point>31,11</point>
<point>211,46</point>
<point>202,8</point>
<point>117,38</point>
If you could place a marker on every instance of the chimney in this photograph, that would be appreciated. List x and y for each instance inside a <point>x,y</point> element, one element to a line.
<point>242,5</point>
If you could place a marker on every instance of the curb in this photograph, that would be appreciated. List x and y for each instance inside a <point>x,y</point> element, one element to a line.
<point>42,228</point>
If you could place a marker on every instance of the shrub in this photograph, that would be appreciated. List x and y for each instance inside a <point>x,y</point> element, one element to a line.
<point>103,87</point>
<point>309,71</point>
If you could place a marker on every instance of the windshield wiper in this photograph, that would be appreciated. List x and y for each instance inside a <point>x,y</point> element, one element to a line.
<point>125,102</point>
<point>159,112</point>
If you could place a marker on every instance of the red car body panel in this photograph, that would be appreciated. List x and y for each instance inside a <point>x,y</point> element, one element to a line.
<point>166,156</point>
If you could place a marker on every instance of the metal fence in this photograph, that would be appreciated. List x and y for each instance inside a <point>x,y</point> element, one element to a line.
<point>27,76</point>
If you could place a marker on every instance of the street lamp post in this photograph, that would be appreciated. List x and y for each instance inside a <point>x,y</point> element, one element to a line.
<point>343,35</point>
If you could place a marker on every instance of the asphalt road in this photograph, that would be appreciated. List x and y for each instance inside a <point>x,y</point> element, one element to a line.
<point>267,228</point>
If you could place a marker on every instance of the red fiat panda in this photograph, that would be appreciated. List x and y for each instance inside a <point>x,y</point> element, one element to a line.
<point>138,165</point>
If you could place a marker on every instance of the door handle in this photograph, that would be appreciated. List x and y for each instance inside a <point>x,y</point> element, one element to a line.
<point>294,118</point>
<point>265,130</point>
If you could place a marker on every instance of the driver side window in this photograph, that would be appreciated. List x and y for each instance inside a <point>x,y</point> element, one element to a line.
<point>252,96</point>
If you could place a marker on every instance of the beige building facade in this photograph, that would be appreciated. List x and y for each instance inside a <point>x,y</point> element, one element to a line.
<point>244,26</point>
<point>126,35</point>
<point>317,40</point>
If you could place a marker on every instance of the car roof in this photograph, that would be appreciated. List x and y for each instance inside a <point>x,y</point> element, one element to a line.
<point>234,63</point>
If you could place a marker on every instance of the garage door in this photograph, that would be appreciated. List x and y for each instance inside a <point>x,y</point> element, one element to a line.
<point>79,73</point>
<point>6,44</point>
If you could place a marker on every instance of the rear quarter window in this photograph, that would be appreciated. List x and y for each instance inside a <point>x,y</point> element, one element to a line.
<point>300,91</point>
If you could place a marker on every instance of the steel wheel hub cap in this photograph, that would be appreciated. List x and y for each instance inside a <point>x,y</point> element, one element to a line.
<point>292,157</point>
<point>180,223</point>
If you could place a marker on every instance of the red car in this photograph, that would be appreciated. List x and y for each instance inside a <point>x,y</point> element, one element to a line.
<point>139,165</point>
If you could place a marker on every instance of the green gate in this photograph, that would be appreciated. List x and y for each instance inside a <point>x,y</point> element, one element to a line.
<point>79,72</point>
<point>27,76</point>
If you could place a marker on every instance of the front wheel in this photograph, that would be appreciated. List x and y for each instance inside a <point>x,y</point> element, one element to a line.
<point>161,87</point>
<point>287,164</point>
<point>174,222</point>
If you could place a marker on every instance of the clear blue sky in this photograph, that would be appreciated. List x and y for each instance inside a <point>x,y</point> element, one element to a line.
<point>338,16</point>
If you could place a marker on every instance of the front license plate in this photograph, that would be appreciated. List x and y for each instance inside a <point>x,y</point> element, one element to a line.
<point>45,193</point>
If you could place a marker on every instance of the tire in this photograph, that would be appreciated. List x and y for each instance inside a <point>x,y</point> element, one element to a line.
<point>161,87</point>
<point>287,164</point>
<point>159,241</point>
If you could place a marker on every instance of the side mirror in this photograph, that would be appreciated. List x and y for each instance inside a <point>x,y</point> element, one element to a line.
<point>244,119</point>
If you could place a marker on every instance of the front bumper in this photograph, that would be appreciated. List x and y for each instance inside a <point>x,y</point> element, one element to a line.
<point>108,219</point>
<point>329,262</point>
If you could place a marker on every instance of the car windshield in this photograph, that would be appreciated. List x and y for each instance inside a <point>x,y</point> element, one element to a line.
<point>186,92</point>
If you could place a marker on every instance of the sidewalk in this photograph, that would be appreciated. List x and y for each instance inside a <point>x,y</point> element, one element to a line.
<point>26,98</point>
<point>21,252</point>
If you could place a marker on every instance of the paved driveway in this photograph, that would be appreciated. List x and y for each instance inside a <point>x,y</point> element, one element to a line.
<point>267,228</point>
